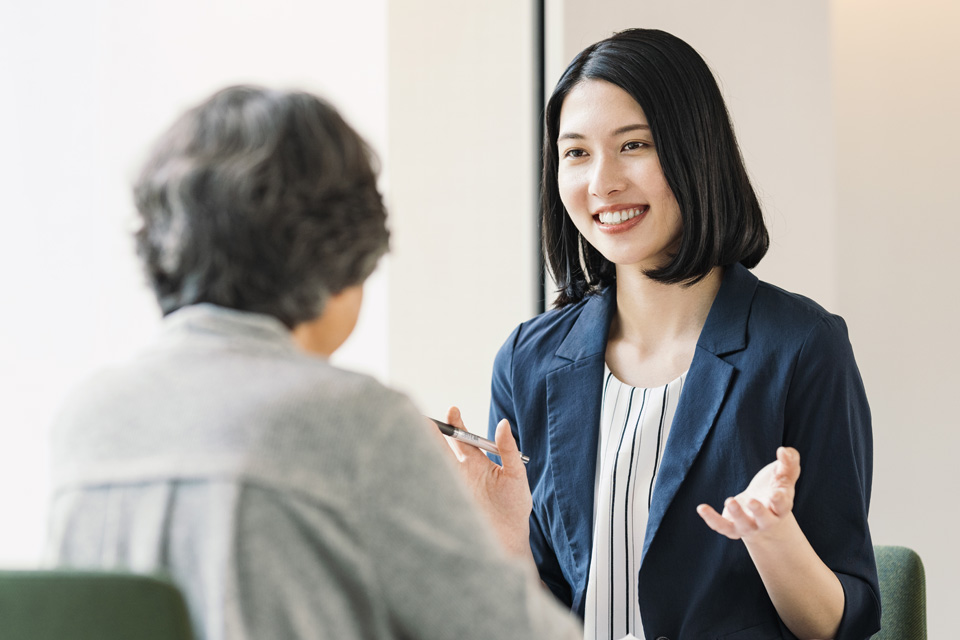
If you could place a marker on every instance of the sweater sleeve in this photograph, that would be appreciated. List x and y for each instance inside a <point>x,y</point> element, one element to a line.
<point>441,570</point>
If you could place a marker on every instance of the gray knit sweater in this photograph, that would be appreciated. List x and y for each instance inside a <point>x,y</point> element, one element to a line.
<point>288,498</point>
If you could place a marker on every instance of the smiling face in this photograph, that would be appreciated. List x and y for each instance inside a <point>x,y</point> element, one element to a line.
<point>610,180</point>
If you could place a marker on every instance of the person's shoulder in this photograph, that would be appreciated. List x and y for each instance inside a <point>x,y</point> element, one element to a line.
<point>324,384</point>
<point>788,314</point>
<point>545,332</point>
<point>99,390</point>
<point>320,422</point>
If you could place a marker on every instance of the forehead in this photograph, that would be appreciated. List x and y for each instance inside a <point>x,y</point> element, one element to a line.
<point>596,108</point>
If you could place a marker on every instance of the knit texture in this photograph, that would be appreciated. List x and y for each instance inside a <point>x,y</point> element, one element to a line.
<point>286,497</point>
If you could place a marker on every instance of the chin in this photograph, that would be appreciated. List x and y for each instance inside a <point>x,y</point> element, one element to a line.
<point>634,261</point>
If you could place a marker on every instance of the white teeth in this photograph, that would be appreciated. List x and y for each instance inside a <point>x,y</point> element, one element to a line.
<point>616,217</point>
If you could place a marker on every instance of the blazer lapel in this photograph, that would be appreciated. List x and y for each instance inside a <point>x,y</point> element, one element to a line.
<point>573,421</point>
<point>725,331</point>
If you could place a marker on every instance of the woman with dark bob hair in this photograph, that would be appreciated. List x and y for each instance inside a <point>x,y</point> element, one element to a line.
<point>274,488</point>
<point>669,381</point>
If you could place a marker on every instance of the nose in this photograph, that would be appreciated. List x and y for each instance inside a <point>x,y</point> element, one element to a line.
<point>607,177</point>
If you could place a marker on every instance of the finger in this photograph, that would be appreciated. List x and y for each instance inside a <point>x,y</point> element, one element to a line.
<point>509,451</point>
<point>762,516</point>
<point>438,436</point>
<point>781,502</point>
<point>717,522</point>
<point>743,521</point>
<point>454,418</point>
<point>788,466</point>
<point>465,452</point>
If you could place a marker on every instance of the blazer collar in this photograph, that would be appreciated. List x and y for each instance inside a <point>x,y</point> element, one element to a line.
<point>588,336</point>
<point>725,330</point>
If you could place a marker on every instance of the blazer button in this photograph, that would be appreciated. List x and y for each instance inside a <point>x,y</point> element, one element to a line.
<point>663,638</point>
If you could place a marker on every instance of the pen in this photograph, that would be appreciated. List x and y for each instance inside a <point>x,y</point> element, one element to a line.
<point>461,435</point>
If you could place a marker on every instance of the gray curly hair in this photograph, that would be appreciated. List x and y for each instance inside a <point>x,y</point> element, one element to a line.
<point>259,200</point>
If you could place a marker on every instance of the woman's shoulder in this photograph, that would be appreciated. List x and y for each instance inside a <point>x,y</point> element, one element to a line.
<point>788,322</point>
<point>766,319</point>
<point>557,319</point>
<point>546,332</point>
<point>790,312</point>
<point>744,298</point>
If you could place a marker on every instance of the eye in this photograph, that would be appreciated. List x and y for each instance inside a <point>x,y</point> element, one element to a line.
<point>634,145</point>
<point>574,153</point>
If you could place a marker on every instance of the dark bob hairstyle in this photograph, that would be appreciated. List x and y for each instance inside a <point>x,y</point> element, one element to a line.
<point>721,217</point>
<point>259,200</point>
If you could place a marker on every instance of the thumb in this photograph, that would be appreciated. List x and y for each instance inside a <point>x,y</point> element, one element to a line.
<point>509,452</point>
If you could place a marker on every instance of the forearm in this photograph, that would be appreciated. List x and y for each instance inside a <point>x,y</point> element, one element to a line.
<point>805,592</point>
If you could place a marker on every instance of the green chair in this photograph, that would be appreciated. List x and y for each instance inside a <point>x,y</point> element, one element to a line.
<point>902,594</point>
<point>86,605</point>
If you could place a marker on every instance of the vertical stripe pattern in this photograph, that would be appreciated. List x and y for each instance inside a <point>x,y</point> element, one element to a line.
<point>634,426</point>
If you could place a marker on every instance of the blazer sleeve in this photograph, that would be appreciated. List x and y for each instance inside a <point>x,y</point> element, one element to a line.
<point>827,419</point>
<point>502,406</point>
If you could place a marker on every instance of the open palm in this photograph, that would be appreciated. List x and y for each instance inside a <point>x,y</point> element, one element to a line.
<point>763,505</point>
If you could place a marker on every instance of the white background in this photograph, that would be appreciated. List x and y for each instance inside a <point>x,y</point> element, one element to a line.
<point>845,110</point>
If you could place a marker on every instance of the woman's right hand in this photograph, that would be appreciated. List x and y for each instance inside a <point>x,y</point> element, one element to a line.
<point>502,492</point>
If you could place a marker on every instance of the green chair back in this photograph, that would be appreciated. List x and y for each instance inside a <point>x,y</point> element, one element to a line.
<point>81,605</point>
<point>903,594</point>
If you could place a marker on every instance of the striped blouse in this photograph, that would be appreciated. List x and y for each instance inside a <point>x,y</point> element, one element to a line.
<point>634,425</point>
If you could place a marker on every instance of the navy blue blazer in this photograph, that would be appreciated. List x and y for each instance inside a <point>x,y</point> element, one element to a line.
<point>771,368</point>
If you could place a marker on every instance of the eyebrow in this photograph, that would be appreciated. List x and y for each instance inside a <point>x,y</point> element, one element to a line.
<point>626,129</point>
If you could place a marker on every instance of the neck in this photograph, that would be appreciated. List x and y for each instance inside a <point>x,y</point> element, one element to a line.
<point>650,312</point>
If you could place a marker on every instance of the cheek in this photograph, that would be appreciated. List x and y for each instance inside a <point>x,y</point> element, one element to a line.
<point>657,188</point>
<point>570,189</point>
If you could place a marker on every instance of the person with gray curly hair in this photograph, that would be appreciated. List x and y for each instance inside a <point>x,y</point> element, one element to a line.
<point>286,497</point>
<point>261,201</point>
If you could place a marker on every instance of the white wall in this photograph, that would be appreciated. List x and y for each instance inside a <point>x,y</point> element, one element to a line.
<point>84,88</point>
<point>897,73</point>
<point>463,174</point>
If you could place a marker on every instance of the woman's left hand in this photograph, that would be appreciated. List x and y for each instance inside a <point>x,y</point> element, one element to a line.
<point>766,503</point>
<point>806,593</point>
